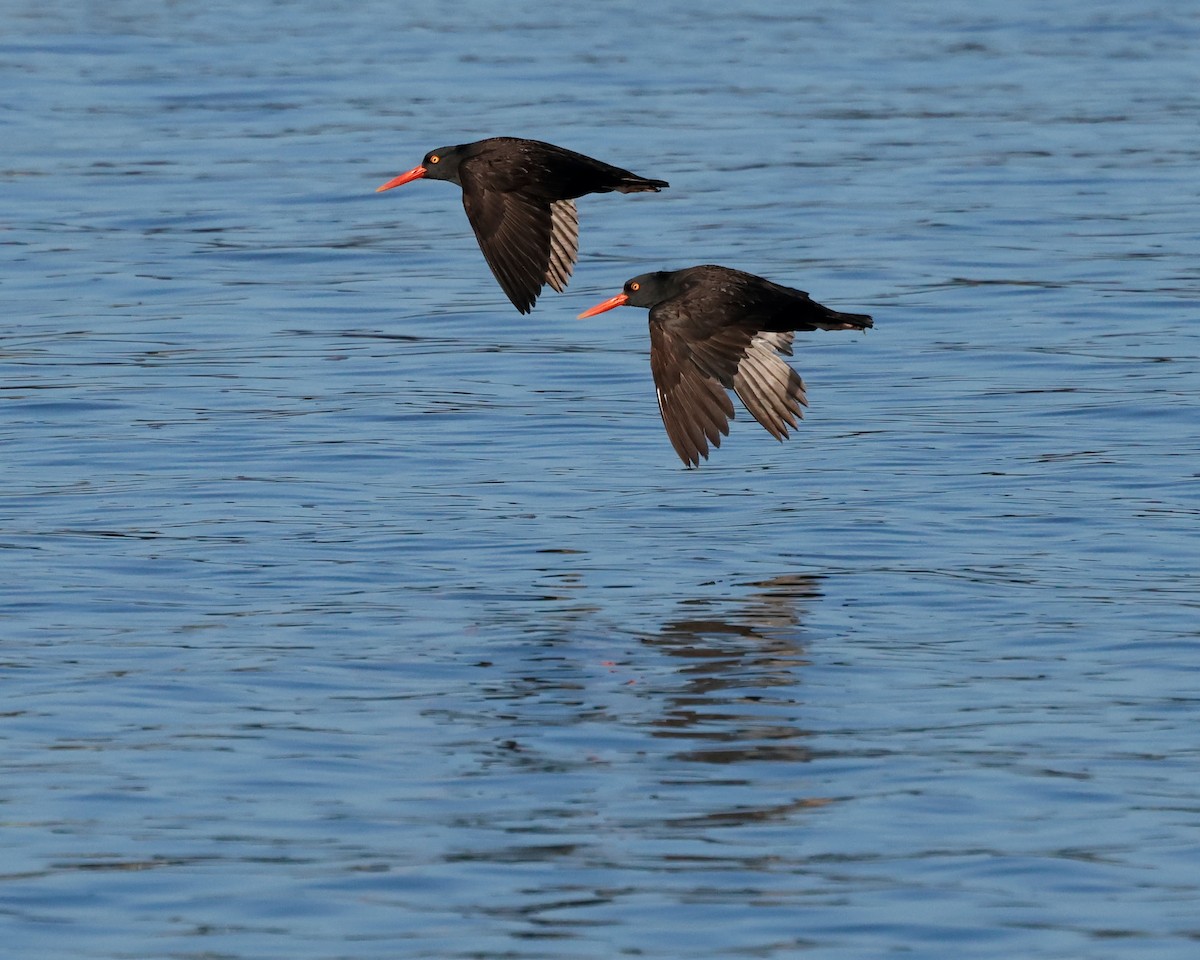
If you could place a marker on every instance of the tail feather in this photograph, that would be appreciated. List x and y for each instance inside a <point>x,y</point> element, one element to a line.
<point>641,185</point>
<point>845,321</point>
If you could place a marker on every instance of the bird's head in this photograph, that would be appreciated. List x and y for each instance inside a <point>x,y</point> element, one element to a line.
<point>644,291</point>
<point>440,164</point>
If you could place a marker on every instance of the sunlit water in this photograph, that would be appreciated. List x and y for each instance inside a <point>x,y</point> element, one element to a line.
<point>346,613</point>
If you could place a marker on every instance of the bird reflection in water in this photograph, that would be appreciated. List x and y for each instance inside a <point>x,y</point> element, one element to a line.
<point>738,687</point>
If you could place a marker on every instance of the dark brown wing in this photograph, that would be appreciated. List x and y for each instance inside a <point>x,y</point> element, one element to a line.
<point>691,378</point>
<point>514,234</point>
<point>696,353</point>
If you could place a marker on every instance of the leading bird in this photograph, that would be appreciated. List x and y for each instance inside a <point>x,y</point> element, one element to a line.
<point>714,329</point>
<point>520,199</point>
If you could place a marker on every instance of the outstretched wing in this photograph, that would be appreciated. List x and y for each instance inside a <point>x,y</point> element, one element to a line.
<point>526,241</point>
<point>694,362</point>
<point>691,378</point>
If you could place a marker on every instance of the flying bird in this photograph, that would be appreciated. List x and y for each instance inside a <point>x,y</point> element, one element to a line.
<point>714,329</point>
<point>520,200</point>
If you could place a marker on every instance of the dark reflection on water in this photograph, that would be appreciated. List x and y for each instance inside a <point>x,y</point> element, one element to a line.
<point>577,778</point>
<point>737,668</point>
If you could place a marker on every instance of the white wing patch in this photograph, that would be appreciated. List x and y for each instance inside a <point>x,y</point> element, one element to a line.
<point>771,390</point>
<point>564,243</point>
<point>781,341</point>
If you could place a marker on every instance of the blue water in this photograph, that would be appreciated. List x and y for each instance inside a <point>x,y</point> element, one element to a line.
<point>346,613</point>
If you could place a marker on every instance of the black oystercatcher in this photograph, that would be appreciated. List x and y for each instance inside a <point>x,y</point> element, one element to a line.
<point>714,329</point>
<point>520,198</point>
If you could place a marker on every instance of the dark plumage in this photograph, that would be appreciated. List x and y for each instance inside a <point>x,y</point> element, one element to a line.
<point>520,199</point>
<point>713,329</point>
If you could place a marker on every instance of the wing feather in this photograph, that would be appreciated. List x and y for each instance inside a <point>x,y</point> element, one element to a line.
<point>527,241</point>
<point>564,243</point>
<point>770,389</point>
<point>695,407</point>
<point>697,354</point>
<point>514,234</point>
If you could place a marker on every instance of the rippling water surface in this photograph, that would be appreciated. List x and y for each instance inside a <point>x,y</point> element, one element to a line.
<point>346,613</point>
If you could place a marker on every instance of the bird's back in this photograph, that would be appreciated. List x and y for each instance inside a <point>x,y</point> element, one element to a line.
<point>715,295</point>
<point>549,172</point>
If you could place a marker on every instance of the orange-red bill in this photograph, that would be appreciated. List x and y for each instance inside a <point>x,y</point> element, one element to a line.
<point>618,301</point>
<point>414,174</point>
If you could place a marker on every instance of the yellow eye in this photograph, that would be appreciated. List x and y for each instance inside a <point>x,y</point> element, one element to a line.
<point>634,287</point>
<point>435,159</point>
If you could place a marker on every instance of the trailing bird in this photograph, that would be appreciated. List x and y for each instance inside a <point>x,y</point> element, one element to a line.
<point>715,329</point>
